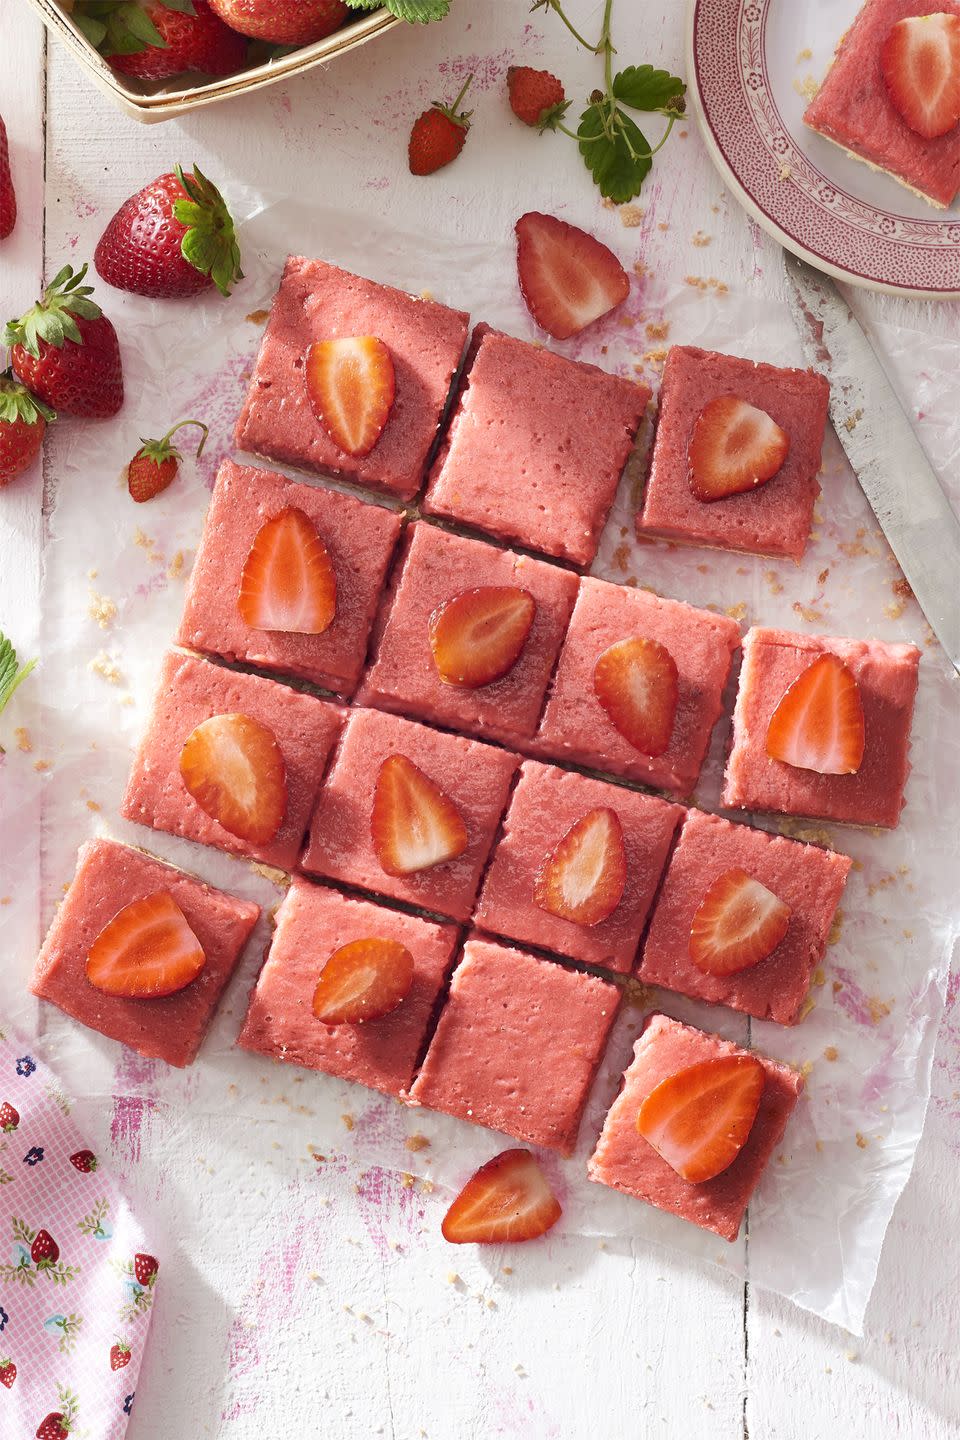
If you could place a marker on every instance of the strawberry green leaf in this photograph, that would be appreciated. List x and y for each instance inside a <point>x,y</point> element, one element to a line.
<point>51,319</point>
<point>93,30</point>
<point>185,7</point>
<point>210,242</point>
<point>644,88</point>
<point>416,12</point>
<point>139,24</point>
<point>12,673</point>
<point>614,150</point>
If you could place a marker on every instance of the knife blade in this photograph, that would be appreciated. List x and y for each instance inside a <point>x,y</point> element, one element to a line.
<point>894,473</point>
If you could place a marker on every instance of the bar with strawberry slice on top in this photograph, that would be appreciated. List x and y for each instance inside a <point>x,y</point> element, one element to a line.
<point>141,952</point>
<point>821,727</point>
<point>736,454</point>
<point>694,1125</point>
<point>288,577</point>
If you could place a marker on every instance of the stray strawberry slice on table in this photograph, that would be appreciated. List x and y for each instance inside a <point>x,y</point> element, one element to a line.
<point>234,769</point>
<point>8,195</point>
<point>637,683</point>
<point>818,725</point>
<point>568,279</point>
<point>414,824</point>
<point>85,1161</point>
<point>351,385</point>
<point>23,423</point>
<point>66,351</point>
<point>363,980</point>
<point>920,61</point>
<point>738,923</point>
<point>735,447</point>
<point>438,135</point>
<point>478,636</point>
<point>509,1198</point>
<point>44,1251</point>
<point>147,949</point>
<point>155,465</point>
<point>288,581</point>
<point>9,1118</point>
<point>119,1355</point>
<point>8,1372</point>
<point>698,1119</point>
<point>536,97</point>
<point>584,877</point>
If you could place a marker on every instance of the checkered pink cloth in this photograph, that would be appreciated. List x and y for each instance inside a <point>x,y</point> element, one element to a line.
<point>77,1277</point>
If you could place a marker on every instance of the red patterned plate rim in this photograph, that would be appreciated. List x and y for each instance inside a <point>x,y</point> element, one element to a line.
<point>800,205</point>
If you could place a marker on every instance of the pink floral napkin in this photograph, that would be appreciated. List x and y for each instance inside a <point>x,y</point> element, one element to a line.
<point>77,1277</point>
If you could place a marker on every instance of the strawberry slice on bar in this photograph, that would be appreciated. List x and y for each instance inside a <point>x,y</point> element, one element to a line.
<point>738,923</point>
<point>288,581</point>
<point>363,980</point>
<point>699,1118</point>
<point>584,877</point>
<point>637,683</point>
<point>351,384</point>
<point>818,725</point>
<point>735,447</point>
<point>148,949</point>
<point>478,636</point>
<point>414,824</point>
<point>234,769</point>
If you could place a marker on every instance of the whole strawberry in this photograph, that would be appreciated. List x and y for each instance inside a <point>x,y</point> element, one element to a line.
<point>8,196</point>
<point>199,41</point>
<point>9,1118</point>
<point>66,350</point>
<point>155,464</point>
<point>536,97</point>
<point>283,22</point>
<point>438,135</point>
<point>23,421</point>
<point>172,239</point>
<point>85,1161</point>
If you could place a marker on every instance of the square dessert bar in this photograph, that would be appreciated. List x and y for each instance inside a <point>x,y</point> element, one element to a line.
<point>348,843</point>
<point>575,725</point>
<point>317,301</point>
<point>192,691</point>
<point>311,924</point>
<point>359,540</point>
<point>775,517</point>
<point>110,877</point>
<point>437,567</point>
<point>807,879</point>
<point>886,678</point>
<point>536,447</point>
<point>626,1161</point>
<point>546,806</point>
<point>517,1046</point>
<point>854,109</point>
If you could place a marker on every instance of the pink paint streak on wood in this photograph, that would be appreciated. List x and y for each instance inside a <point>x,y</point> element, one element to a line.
<point>135,1083</point>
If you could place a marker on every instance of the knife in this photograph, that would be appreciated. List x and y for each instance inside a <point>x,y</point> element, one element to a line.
<point>894,473</point>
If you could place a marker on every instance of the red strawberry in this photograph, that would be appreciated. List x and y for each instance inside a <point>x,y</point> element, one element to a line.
<point>8,196</point>
<point>920,60</point>
<point>698,1119</point>
<point>66,351</point>
<point>414,824</point>
<point>567,278</point>
<point>509,1198</point>
<point>818,725</point>
<point>738,923</point>
<point>155,464</point>
<point>636,682</point>
<point>536,97</point>
<point>119,1355</point>
<point>583,879</point>
<point>23,421</point>
<point>44,1251</point>
<point>9,1118</point>
<point>288,581</point>
<point>351,386</point>
<point>283,22</point>
<point>438,135</point>
<point>53,1428</point>
<point>8,1373</point>
<point>199,41</point>
<point>478,636</point>
<point>174,238</point>
<point>363,980</point>
<point>145,1269</point>
<point>85,1161</point>
<point>734,447</point>
<point>146,950</point>
<point>234,769</point>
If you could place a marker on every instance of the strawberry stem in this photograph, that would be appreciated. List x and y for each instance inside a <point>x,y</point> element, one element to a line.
<point>179,426</point>
<point>558,9</point>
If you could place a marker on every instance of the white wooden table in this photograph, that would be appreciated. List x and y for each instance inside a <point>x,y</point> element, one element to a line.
<point>594,1341</point>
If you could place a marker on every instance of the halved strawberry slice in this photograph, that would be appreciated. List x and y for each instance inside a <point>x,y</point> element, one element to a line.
<point>920,60</point>
<point>234,769</point>
<point>818,724</point>
<point>414,824</point>
<point>288,581</point>
<point>509,1198</point>
<point>699,1118</point>
<point>477,636</point>
<point>351,385</point>
<point>583,878</point>
<point>637,683</point>
<point>146,950</point>
<point>738,923</point>
<point>734,447</point>
<point>363,980</point>
<point>567,278</point>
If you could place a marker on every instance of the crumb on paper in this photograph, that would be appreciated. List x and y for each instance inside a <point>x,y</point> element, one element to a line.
<point>22,737</point>
<point>701,239</point>
<point>657,329</point>
<point>807,87</point>
<point>41,765</point>
<point>879,1009</point>
<point>347,1121</point>
<point>631,216</point>
<point>773,582</point>
<point>258,317</point>
<point>805,54</point>
<point>94,805</point>
<point>175,568</point>
<point>426,295</point>
<point>416,1142</point>
<point>806,1069</point>
<point>831,1053</point>
<point>102,609</point>
<point>738,611</point>
<point>635,994</point>
<point>663,226</point>
<point>862,1141</point>
<point>406,1179</point>
<point>852,421</point>
<point>506,1269</point>
<point>807,612</point>
<point>453,1278</point>
<point>106,668</point>
<point>818,978</point>
<point>808,1005</point>
<point>654,357</point>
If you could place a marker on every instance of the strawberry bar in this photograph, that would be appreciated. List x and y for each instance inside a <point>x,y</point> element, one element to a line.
<point>108,878</point>
<point>577,866</point>
<point>638,686</point>
<point>536,447</point>
<point>287,577</point>
<point>704,396</point>
<point>485,670</point>
<point>743,918</point>
<point>312,924</point>
<point>231,760</point>
<point>845,726</point>
<point>883,118</point>
<point>507,1013</point>
<point>626,1160</point>
<point>318,302</point>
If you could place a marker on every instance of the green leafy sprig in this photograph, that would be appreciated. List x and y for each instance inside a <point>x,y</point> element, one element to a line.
<point>12,673</point>
<point>415,12</point>
<point>122,27</point>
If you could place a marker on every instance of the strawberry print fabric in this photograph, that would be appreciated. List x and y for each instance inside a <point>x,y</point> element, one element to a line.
<point>77,1276</point>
